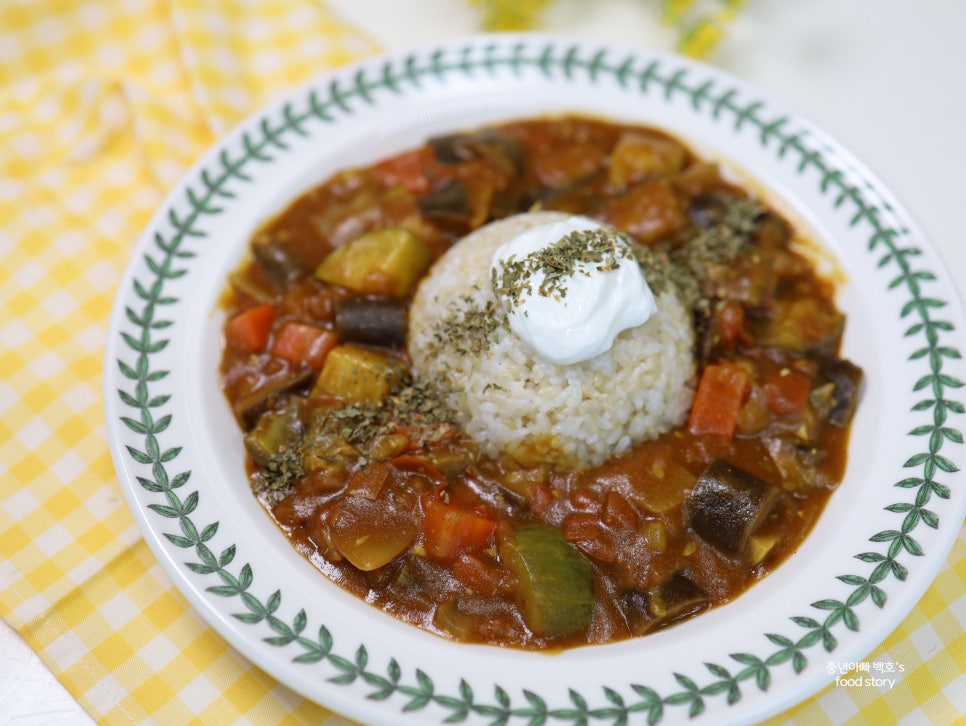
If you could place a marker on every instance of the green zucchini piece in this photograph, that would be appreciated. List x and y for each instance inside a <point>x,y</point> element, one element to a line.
<point>556,591</point>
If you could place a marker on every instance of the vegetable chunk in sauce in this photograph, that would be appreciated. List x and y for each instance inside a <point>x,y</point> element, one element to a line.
<point>367,471</point>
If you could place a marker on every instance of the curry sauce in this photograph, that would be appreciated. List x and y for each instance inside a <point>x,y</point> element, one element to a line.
<point>369,476</point>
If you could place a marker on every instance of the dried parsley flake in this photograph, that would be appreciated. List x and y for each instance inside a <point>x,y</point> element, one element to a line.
<point>415,406</point>
<point>576,253</point>
<point>468,326</point>
<point>684,266</point>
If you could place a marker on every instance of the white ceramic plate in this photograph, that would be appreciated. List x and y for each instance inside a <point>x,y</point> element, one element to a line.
<point>179,455</point>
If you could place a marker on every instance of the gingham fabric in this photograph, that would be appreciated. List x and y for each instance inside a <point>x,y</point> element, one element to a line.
<point>103,105</point>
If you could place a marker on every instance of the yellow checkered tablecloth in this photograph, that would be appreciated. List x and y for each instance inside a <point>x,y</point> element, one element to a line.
<point>103,105</point>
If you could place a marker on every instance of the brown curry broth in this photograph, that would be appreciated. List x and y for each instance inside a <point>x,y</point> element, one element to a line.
<point>632,475</point>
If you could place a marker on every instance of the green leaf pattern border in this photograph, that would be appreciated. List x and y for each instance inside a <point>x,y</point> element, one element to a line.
<point>815,631</point>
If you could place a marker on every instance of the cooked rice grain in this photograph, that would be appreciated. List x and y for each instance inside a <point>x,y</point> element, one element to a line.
<point>511,401</point>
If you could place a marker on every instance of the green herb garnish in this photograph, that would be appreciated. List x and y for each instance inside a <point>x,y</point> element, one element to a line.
<point>468,326</point>
<point>684,266</point>
<point>416,407</point>
<point>575,253</point>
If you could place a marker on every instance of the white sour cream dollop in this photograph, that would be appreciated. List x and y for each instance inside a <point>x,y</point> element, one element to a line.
<point>594,308</point>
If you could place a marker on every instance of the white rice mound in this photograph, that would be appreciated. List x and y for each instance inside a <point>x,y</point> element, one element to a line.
<point>509,400</point>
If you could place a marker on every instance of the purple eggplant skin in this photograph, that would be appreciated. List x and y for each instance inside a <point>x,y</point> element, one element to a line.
<point>371,320</point>
<point>667,603</point>
<point>727,505</point>
<point>847,379</point>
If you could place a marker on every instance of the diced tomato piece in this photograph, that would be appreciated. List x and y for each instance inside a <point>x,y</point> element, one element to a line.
<point>452,530</point>
<point>565,165</point>
<point>618,512</point>
<point>720,395</point>
<point>407,170</point>
<point>585,499</point>
<point>249,330</point>
<point>584,531</point>
<point>787,391</point>
<point>476,574</point>
<point>649,211</point>
<point>541,138</point>
<point>369,481</point>
<point>300,343</point>
<point>731,315</point>
<point>421,464</point>
<point>541,498</point>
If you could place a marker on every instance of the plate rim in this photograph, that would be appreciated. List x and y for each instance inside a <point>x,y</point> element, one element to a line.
<point>560,54</point>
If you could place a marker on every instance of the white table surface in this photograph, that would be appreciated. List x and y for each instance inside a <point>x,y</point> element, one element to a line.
<point>886,77</point>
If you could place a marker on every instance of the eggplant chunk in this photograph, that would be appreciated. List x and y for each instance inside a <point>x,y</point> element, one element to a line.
<point>727,506</point>
<point>797,464</point>
<point>379,321</point>
<point>707,210</point>
<point>847,378</point>
<point>251,404</point>
<point>457,148</point>
<point>447,203</point>
<point>280,261</point>
<point>670,601</point>
<point>677,597</point>
<point>277,430</point>
<point>803,326</point>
